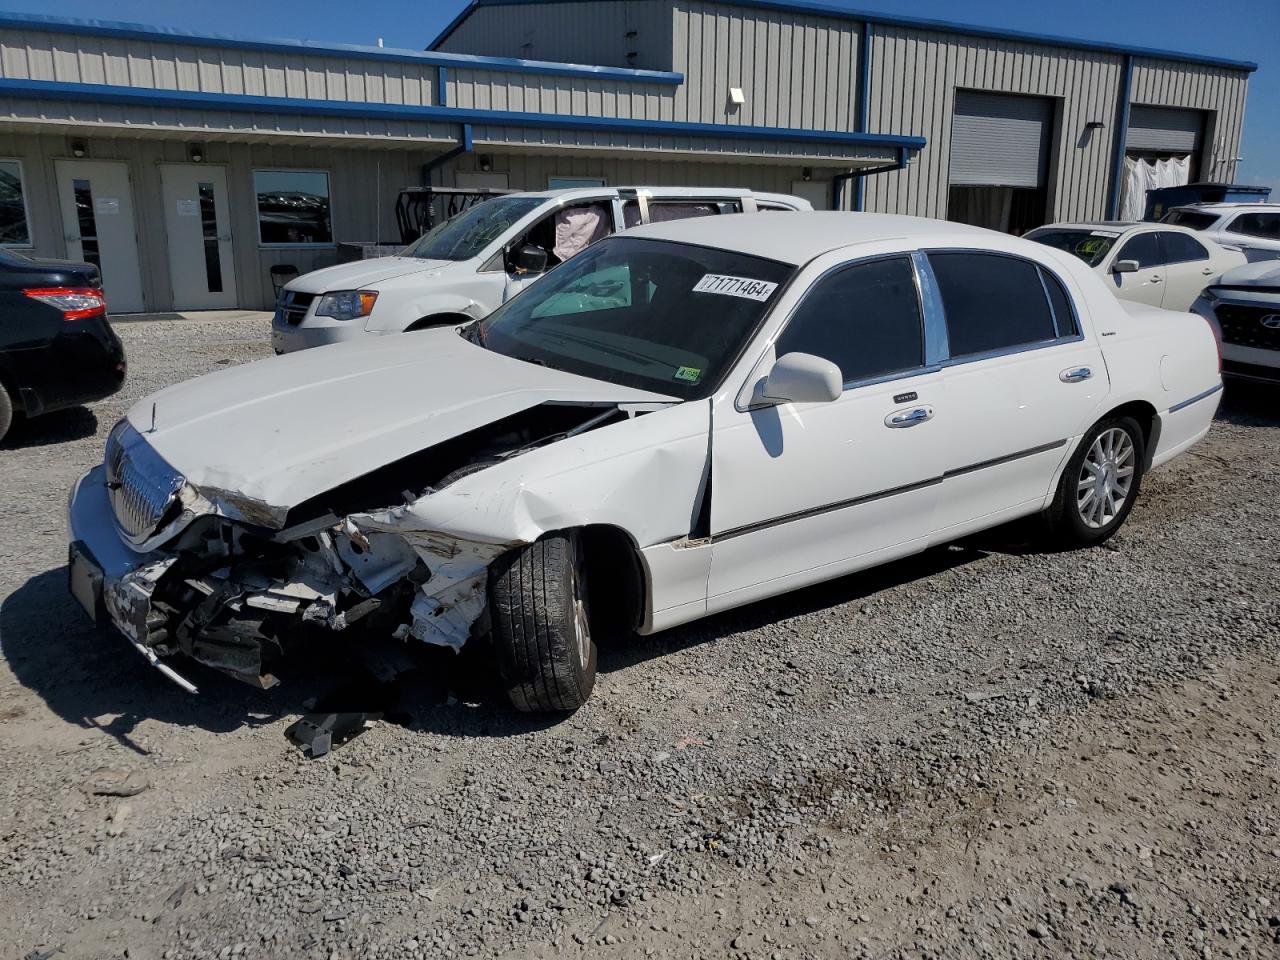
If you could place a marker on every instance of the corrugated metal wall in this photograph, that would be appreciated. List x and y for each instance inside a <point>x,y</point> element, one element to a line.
<point>914,78</point>
<point>363,185</point>
<point>526,172</point>
<point>796,70</point>
<point>578,96</point>
<point>1197,87</point>
<point>146,64</point>
<point>577,32</point>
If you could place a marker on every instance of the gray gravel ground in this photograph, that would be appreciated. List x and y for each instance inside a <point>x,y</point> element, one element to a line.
<point>984,751</point>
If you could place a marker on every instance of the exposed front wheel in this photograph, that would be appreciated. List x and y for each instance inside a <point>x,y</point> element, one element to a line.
<point>1100,483</point>
<point>538,606</point>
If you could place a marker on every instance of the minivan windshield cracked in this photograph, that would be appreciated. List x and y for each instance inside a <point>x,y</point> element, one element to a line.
<point>467,234</point>
<point>650,314</point>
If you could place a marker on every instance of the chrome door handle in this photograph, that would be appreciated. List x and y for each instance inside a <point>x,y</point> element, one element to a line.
<point>1075,375</point>
<point>909,418</point>
<point>1157,279</point>
<point>1207,271</point>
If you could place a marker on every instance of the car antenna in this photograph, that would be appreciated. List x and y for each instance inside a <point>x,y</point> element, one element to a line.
<point>153,419</point>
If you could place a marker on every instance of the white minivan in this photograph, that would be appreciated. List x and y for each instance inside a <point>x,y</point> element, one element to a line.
<point>467,266</point>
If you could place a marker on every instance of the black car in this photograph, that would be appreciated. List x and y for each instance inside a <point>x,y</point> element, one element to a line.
<point>56,348</point>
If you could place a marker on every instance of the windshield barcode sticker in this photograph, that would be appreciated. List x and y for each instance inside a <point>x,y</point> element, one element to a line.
<point>735,287</point>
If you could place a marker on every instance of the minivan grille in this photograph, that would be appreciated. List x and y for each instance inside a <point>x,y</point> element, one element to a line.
<point>1247,326</point>
<point>293,305</point>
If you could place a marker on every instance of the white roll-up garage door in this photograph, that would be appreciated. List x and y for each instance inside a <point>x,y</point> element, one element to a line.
<point>1164,130</point>
<point>999,140</point>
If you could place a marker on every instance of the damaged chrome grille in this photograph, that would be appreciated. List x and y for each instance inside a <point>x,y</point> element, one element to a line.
<point>140,485</point>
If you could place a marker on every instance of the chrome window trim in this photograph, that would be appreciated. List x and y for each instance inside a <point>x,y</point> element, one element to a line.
<point>954,361</point>
<point>1075,314</point>
<point>937,345</point>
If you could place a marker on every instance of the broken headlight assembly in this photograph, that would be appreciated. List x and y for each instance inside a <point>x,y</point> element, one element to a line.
<point>347,304</point>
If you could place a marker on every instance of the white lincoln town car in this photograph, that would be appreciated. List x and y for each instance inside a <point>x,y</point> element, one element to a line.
<point>682,419</point>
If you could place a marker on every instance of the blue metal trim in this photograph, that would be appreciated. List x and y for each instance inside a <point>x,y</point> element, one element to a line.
<point>105,93</point>
<point>138,31</point>
<point>442,86</point>
<point>1196,399</point>
<point>944,26</point>
<point>1121,138</point>
<point>464,146</point>
<point>467,145</point>
<point>864,98</point>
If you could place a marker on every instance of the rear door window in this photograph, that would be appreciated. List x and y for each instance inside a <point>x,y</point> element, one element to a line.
<point>1179,248</point>
<point>992,302</point>
<point>865,318</point>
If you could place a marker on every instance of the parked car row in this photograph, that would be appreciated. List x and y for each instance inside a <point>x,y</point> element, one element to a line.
<point>463,268</point>
<point>676,420</point>
<point>56,348</point>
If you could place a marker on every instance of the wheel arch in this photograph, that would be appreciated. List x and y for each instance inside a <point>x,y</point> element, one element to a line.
<point>443,319</point>
<point>1148,418</point>
<point>613,563</point>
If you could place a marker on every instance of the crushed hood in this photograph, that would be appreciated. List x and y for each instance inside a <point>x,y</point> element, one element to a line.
<point>363,273</point>
<point>283,430</point>
<point>1262,273</point>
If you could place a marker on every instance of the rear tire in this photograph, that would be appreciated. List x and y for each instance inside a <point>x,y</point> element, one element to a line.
<point>540,623</point>
<point>1099,484</point>
<point>6,411</point>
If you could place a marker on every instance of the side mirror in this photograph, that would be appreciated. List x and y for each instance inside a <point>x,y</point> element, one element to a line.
<point>801,378</point>
<point>529,258</point>
<point>1125,266</point>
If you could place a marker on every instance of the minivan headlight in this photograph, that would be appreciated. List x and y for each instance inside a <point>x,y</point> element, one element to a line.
<point>347,304</point>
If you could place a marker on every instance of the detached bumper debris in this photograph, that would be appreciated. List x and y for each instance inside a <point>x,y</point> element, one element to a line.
<point>318,733</point>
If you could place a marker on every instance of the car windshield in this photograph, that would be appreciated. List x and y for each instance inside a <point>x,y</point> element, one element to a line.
<point>1191,219</point>
<point>1091,246</point>
<point>471,231</point>
<point>650,314</point>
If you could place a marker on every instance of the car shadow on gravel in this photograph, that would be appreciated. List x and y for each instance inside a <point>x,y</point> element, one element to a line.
<point>833,593</point>
<point>93,679</point>
<point>60,426</point>
<point>1250,405</point>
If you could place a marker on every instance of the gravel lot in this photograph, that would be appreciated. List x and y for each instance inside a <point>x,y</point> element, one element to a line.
<point>984,751</point>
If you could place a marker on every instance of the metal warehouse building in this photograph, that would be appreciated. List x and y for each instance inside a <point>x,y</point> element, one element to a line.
<point>187,166</point>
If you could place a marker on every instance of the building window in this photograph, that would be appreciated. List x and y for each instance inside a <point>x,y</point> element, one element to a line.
<point>15,230</point>
<point>293,207</point>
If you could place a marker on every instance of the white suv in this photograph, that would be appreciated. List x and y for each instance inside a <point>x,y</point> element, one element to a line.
<point>1253,227</point>
<point>466,267</point>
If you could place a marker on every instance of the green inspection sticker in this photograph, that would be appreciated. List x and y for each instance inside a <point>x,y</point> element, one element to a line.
<point>689,374</point>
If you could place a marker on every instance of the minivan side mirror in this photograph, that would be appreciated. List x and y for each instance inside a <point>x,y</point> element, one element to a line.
<point>801,378</point>
<point>529,258</point>
<point>1125,266</point>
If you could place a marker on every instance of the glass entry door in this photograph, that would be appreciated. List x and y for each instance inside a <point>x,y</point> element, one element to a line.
<point>198,226</point>
<point>96,199</point>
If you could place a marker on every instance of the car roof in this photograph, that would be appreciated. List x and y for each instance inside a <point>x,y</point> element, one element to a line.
<point>575,193</point>
<point>797,238</point>
<point>1227,206</point>
<point>1122,226</point>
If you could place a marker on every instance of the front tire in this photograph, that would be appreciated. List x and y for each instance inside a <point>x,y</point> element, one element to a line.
<point>541,629</point>
<point>1100,483</point>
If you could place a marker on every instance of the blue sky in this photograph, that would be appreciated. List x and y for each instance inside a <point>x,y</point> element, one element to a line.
<point>1238,29</point>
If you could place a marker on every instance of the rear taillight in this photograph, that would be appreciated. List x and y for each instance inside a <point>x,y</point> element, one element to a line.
<point>76,303</point>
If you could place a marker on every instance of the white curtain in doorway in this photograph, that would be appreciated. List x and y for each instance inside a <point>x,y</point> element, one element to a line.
<point>1143,175</point>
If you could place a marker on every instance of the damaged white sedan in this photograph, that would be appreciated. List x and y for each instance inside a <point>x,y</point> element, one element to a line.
<point>680,420</point>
